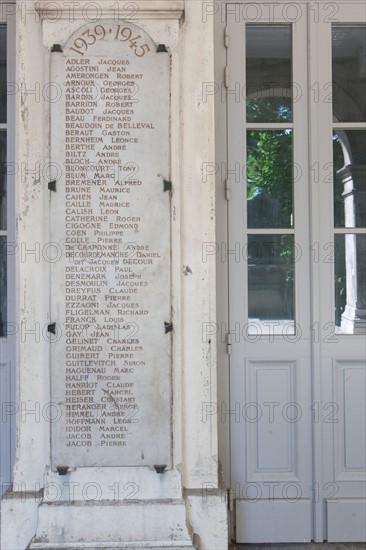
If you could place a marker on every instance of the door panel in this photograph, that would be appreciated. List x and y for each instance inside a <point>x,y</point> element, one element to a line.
<point>339,274</point>
<point>296,259</point>
<point>350,430</point>
<point>273,413</point>
<point>270,360</point>
<point>268,520</point>
<point>346,520</point>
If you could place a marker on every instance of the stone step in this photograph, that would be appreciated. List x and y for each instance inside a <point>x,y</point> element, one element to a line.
<point>140,524</point>
<point>153,545</point>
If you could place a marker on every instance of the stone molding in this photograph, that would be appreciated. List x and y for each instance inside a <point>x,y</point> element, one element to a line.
<point>54,10</point>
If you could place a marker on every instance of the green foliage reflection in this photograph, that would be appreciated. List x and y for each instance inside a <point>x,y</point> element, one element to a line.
<point>269,109</point>
<point>269,178</point>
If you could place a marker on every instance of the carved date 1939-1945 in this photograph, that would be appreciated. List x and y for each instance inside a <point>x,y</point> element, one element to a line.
<point>124,34</point>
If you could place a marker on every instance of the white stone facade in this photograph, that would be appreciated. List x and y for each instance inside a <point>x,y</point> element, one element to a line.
<point>184,507</point>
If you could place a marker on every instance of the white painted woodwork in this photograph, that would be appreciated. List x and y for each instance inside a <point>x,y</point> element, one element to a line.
<point>297,402</point>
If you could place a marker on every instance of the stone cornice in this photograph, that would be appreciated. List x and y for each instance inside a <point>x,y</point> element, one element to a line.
<point>109,9</point>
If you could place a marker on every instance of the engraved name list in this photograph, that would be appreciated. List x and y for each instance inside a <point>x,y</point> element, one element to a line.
<point>111,289</point>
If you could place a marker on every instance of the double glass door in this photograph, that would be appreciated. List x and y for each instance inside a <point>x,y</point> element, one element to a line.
<point>297,280</point>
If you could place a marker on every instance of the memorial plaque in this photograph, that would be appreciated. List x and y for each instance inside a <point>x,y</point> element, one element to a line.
<point>111,226</point>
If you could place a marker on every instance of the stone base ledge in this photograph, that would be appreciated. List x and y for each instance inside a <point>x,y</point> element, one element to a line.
<point>155,525</point>
<point>18,519</point>
<point>208,516</point>
<point>162,523</point>
<point>154,545</point>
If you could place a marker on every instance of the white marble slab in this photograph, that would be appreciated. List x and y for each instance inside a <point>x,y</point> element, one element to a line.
<point>110,222</point>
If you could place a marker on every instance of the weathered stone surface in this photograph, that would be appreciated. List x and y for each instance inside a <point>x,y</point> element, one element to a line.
<point>134,524</point>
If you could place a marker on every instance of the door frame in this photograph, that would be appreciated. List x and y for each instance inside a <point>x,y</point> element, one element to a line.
<point>8,353</point>
<point>317,118</point>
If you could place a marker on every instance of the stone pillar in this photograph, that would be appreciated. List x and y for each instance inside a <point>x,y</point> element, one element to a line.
<point>119,500</point>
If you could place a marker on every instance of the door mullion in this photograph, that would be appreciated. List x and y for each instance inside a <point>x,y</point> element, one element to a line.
<point>236,230</point>
<point>319,130</point>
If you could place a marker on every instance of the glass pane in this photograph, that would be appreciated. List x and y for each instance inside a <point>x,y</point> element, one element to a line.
<point>3,75</point>
<point>349,161</point>
<point>349,73</point>
<point>2,180</point>
<point>269,179</point>
<point>3,287</point>
<point>268,73</point>
<point>350,283</point>
<point>271,278</point>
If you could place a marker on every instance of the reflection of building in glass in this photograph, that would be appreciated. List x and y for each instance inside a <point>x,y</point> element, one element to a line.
<point>271,277</point>
<point>353,176</point>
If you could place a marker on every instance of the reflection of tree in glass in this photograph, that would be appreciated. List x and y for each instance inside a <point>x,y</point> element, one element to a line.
<point>270,198</point>
<point>269,178</point>
<point>269,109</point>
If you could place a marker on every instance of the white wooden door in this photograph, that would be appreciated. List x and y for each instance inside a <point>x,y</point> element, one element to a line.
<point>297,261</point>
